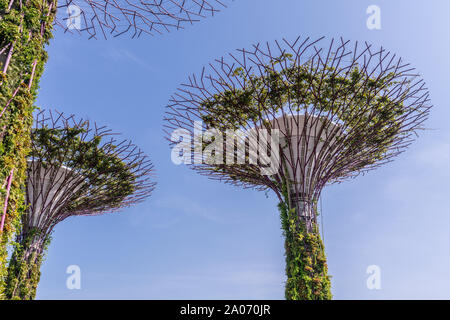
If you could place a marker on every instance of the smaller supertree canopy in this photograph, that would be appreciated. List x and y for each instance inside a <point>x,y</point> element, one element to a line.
<point>341,109</point>
<point>76,168</point>
<point>135,17</point>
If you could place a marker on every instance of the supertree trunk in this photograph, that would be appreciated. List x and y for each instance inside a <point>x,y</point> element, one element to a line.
<point>306,266</point>
<point>24,267</point>
<point>25,29</point>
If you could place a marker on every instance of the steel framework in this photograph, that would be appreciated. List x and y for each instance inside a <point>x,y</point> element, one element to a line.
<point>122,16</point>
<point>341,109</point>
<point>77,168</point>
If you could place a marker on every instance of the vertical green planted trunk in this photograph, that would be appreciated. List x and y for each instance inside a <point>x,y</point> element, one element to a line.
<point>306,266</point>
<point>25,29</point>
<point>24,267</point>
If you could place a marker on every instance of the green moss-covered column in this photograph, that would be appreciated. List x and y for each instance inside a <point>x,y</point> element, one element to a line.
<point>24,267</point>
<point>25,29</point>
<point>306,266</point>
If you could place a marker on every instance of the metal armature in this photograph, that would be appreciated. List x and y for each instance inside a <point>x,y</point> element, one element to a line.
<point>76,168</point>
<point>340,109</point>
<point>131,16</point>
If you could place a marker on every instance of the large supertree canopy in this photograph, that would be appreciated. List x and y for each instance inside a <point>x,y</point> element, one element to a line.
<point>363,106</point>
<point>77,168</point>
<point>133,16</point>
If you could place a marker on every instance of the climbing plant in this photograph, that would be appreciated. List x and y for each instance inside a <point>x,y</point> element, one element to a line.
<point>306,265</point>
<point>25,29</point>
<point>24,267</point>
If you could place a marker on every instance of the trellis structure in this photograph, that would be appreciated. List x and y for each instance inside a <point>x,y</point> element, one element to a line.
<point>25,29</point>
<point>337,109</point>
<point>131,16</point>
<point>75,169</point>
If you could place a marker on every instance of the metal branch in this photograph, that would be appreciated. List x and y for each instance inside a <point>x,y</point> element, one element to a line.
<point>116,17</point>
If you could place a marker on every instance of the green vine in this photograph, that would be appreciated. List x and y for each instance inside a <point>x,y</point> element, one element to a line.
<point>306,266</point>
<point>102,169</point>
<point>25,29</point>
<point>24,267</point>
<point>356,100</point>
<point>303,86</point>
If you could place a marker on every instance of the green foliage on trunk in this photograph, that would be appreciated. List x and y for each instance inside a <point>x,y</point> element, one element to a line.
<point>306,266</point>
<point>25,29</point>
<point>24,267</point>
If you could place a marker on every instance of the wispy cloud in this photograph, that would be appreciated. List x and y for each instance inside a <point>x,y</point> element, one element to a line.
<point>242,281</point>
<point>187,206</point>
<point>120,55</point>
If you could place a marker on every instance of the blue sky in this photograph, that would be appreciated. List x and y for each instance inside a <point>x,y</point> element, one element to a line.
<point>200,239</point>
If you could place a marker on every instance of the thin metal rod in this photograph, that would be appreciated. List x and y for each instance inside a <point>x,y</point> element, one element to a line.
<point>5,206</point>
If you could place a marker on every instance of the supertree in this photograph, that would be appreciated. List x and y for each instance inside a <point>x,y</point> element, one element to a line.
<point>75,168</point>
<point>25,29</point>
<point>316,112</point>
